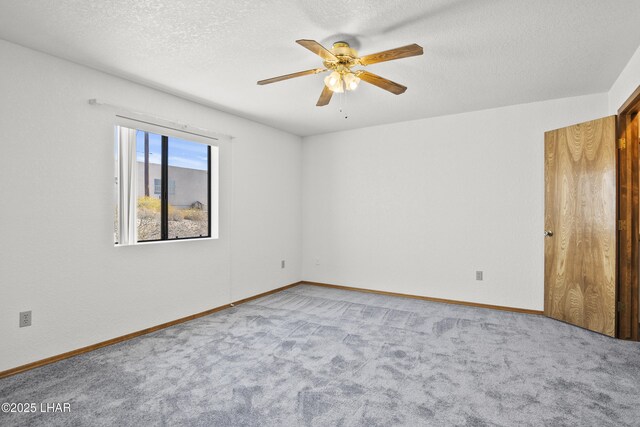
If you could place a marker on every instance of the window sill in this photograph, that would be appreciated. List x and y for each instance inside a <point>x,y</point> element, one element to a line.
<point>198,239</point>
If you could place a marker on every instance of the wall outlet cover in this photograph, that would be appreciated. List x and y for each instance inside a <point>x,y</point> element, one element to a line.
<point>25,318</point>
<point>478,275</point>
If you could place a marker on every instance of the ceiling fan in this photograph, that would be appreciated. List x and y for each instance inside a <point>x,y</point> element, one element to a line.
<point>340,60</point>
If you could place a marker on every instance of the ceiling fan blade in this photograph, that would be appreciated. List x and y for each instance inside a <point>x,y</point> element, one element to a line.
<point>318,49</point>
<point>290,76</point>
<point>325,97</point>
<point>389,55</point>
<point>381,82</point>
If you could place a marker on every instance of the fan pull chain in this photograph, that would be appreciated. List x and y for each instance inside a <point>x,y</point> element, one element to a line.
<point>346,115</point>
<point>342,104</point>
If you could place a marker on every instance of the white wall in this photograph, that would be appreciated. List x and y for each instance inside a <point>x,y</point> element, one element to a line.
<point>57,254</point>
<point>626,83</point>
<point>417,207</point>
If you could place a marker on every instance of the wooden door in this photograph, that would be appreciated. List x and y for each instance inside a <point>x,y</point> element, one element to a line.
<point>628,238</point>
<point>630,307</point>
<point>580,225</point>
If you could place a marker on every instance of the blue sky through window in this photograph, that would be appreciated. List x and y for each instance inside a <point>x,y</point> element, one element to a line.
<point>182,153</point>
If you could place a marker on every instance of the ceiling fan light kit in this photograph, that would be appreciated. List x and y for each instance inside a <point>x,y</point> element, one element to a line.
<point>340,60</point>
<point>339,81</point>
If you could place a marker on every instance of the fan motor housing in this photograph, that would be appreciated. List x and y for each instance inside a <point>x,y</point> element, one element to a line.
<point>346,55</point>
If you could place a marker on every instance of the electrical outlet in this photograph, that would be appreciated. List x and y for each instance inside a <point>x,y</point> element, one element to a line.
<point>317,261</point>
<point>25,318</point>
<point>478,275</point>
<point>282,264</point>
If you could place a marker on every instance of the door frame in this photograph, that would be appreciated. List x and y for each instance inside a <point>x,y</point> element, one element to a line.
<point>629,216</point>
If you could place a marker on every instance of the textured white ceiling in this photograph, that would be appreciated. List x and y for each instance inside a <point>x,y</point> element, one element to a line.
<point>478,53</point>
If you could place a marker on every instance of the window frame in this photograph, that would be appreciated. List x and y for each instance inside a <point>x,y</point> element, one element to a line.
<point>165,133</point>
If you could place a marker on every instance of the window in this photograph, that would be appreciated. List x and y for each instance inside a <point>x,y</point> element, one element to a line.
<point>163,187</point>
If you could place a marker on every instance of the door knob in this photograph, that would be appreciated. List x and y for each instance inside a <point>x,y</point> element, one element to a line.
<point>548,233</point>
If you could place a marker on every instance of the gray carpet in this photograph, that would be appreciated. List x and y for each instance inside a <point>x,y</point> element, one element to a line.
<point>313,356</point>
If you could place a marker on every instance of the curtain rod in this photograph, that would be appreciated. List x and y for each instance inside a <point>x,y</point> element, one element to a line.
<point>152,120</point>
